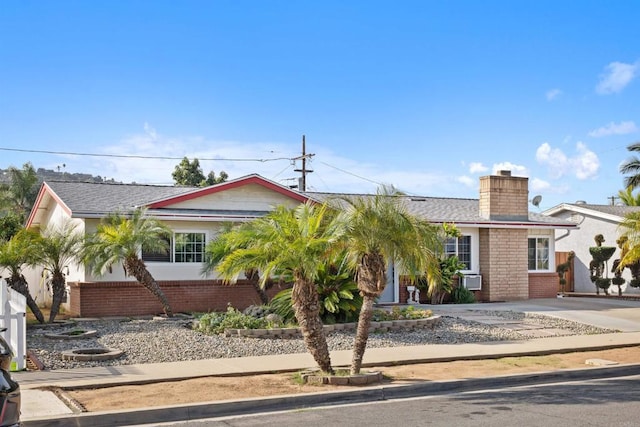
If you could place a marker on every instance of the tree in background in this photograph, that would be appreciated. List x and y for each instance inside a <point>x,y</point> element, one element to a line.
<point>628,198</point>
<point>190,174</point>
<point>18,195</point>
<point>10,224</point>
<point>632,166</point>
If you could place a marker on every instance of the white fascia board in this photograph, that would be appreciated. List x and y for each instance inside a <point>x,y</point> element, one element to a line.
<point>583,211</point>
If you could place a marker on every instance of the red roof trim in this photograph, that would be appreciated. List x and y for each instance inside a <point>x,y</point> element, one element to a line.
<point>253,179</point>
<point>45,189</point>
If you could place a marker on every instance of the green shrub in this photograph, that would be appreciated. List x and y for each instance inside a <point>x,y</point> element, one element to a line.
<point>216,323</point>
<point>462,295</point>
<point>340,300</point>
<point>400,313</point>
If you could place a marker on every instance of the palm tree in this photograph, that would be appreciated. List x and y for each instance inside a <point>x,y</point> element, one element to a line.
<point>378,230</point>
<point>120,239</point>
<point>18,196</point>
<point>628,198</point>
<point>16,253</point>
<point>632,166</point>
<point>630,236</point>
<point>57,248</point>
<point>286,242</point>
<point>217,250</point>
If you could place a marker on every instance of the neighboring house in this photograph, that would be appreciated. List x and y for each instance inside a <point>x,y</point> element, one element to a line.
<point>509,251</point>
<point>591,221</point>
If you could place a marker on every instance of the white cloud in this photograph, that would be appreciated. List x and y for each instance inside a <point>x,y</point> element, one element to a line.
<point>516,170</point>
<point>554,158</point>
<point>584,165</point>
<point>477,167</point>
<point>537,185</point>
<point>467,181</point>
<point>616,77</point>
<point>622,128</point>
<point>553,94</point>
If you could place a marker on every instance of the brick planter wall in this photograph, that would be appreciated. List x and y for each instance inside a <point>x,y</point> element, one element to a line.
<point>543,285</point>
<point>103,299</point>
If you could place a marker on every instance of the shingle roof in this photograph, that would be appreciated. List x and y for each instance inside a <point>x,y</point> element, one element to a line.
<point>608,209</point>
<point>612,212</point>
<point>84,197</point>
<point>447,209</point>
<point>88,199</point>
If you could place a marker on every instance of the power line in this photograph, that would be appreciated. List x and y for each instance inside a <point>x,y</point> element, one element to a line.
<point>351,173</point>
<point>133,156</point>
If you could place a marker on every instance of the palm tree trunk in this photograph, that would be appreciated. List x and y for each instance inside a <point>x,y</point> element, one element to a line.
<point>253,276</point>
<point>371,277</point>
<point>135,267</point>
<point>59,291</point>
<point>19,284</point>
<point>362,333</point>
<point>304,298</point>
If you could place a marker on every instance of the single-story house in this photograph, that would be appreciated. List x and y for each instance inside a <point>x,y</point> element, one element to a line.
<point>508,251</point>
<point>591,219</point>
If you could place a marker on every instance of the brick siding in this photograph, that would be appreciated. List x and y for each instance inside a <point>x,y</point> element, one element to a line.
<point>543,285</point>
<point>102,299</point>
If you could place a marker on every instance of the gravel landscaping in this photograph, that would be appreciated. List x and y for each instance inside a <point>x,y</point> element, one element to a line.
<point>155,341</point>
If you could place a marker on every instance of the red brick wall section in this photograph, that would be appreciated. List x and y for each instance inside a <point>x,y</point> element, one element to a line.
<point>103,299</point>
<point>543,285</point>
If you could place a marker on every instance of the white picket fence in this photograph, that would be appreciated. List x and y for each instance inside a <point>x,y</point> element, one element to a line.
<point>13,316</point>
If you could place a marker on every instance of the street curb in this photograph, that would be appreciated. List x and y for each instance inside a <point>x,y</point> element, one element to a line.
<point>191,412</point>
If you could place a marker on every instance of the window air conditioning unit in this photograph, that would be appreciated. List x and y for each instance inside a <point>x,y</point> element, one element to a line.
<point>473,282</point>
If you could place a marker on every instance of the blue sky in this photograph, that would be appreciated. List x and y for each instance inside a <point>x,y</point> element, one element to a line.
<point>427,96</point>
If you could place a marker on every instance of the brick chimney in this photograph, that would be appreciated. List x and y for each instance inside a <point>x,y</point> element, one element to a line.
<point>504,197</point>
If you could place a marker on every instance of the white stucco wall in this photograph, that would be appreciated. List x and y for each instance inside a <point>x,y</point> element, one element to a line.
<point>580,240</point>
<point>166,270</point>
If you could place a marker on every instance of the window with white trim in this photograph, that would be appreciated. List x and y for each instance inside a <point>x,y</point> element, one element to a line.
<point>189,247</point>
<point>184,248</point>
<point>538,253</point>
<point>460,247</point>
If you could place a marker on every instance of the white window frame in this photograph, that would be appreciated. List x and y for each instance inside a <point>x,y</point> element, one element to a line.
<point>457,249</point>
<point>550,252</point>
<point>172,248</point>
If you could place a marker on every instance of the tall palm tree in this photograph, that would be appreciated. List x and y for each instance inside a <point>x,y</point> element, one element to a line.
<point>120,239</point>
<point>378,230</point>
<point>15,254</point>
<point>628,198</point>
<point>632,166</point>
<point>58,247</point>
<point>291,242</point>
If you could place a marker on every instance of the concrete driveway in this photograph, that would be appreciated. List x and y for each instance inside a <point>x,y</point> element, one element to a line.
<point>622,315</point>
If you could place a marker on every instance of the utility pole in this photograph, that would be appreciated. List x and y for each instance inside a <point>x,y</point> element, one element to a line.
<point>304,171</point>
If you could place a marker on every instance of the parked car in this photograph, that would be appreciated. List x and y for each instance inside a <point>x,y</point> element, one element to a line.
<point>9,389</point>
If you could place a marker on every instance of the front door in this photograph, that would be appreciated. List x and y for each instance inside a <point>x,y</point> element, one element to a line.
<point>389,294</point>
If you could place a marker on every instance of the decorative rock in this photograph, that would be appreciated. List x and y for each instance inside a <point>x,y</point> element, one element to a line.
<point>146,341</point>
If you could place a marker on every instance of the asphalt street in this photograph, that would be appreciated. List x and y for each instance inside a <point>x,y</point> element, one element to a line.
<point>610,402</point>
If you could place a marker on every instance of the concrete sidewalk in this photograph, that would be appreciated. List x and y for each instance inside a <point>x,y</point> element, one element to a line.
<point>40,405</point>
